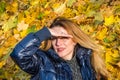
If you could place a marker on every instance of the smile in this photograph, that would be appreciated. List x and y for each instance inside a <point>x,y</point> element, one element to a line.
<point>60,49</point>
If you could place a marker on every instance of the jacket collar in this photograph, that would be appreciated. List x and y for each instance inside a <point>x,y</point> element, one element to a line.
<point>83,56</point>
<point>80,53</point>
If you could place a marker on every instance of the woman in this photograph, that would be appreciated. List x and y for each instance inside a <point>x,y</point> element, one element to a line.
<point>68,54</point>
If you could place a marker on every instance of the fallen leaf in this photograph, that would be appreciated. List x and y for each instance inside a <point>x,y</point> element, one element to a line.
<point>22,26</point>
<point>109,20</point>
<point>60,10</point>
<point>12,22</point>
<point>70,3</point>
<point>118,63</point>
<point>101,34</point>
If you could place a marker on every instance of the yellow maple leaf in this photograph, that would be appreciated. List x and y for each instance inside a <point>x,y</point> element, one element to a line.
<point>10,42</point>
<point>2,63</point>
<point>47,12</point>
<point>15,31</point>
<point>29,19</point>
<point>34,2</point>
<point>109,20</point>
<point>101,34</point>
<point>2,50</point>
<point>108,57</point>
<point>110,68</point>
<point>23,33</point>
<point>87,29</point>
<point>60,10</point>
<point>115,53</point>
<point>20,17</point>
<point>68,13</point>
<point>13,7</point>
<point>47,4</point>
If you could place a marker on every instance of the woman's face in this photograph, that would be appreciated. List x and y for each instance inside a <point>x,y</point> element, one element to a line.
<point>64,46</point>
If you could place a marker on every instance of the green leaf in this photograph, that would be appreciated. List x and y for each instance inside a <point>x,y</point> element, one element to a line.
<point>40,16</point>
<point>70,2</point>
<point>96,4</point>
<point>12,22</point>
<point>98,18</point>
<point>90,13</point>
<point>110,38</point>
<point>2,7</point>
<point>31,29</point>
<point>106,40</point>
<point>1,74</point>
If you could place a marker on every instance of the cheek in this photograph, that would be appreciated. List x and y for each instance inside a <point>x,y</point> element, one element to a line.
<point>53,44</point>
<point>70,43</point>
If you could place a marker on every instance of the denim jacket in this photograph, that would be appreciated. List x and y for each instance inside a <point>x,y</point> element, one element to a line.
<point>47,65</point>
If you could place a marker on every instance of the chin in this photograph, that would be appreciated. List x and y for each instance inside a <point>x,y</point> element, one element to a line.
<point>60,55</point>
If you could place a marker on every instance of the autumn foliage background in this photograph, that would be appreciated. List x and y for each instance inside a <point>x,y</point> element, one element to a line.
<point>100,19</point>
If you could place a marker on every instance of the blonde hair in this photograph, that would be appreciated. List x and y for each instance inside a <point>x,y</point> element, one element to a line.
<point>82,39</point>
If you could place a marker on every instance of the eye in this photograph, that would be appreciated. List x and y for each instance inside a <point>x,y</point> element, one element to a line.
<point>53,38</point>
<point>64,38</point>
<point>60,37</point>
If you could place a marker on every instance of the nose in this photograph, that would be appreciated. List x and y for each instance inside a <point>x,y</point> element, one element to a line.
<point>58,42</point>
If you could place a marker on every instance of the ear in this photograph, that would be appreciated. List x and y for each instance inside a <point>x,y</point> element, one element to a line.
<point>74,43</point>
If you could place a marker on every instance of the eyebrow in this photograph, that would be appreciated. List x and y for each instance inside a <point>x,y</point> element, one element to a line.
<point>54,37</point>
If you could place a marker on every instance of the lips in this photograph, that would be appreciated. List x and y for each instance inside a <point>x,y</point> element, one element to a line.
<point>60,49</point>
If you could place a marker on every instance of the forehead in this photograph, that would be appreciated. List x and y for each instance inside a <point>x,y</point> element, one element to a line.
<point>59,29</point>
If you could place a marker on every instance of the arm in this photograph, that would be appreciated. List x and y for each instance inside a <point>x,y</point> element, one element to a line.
<point>25,52</point>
